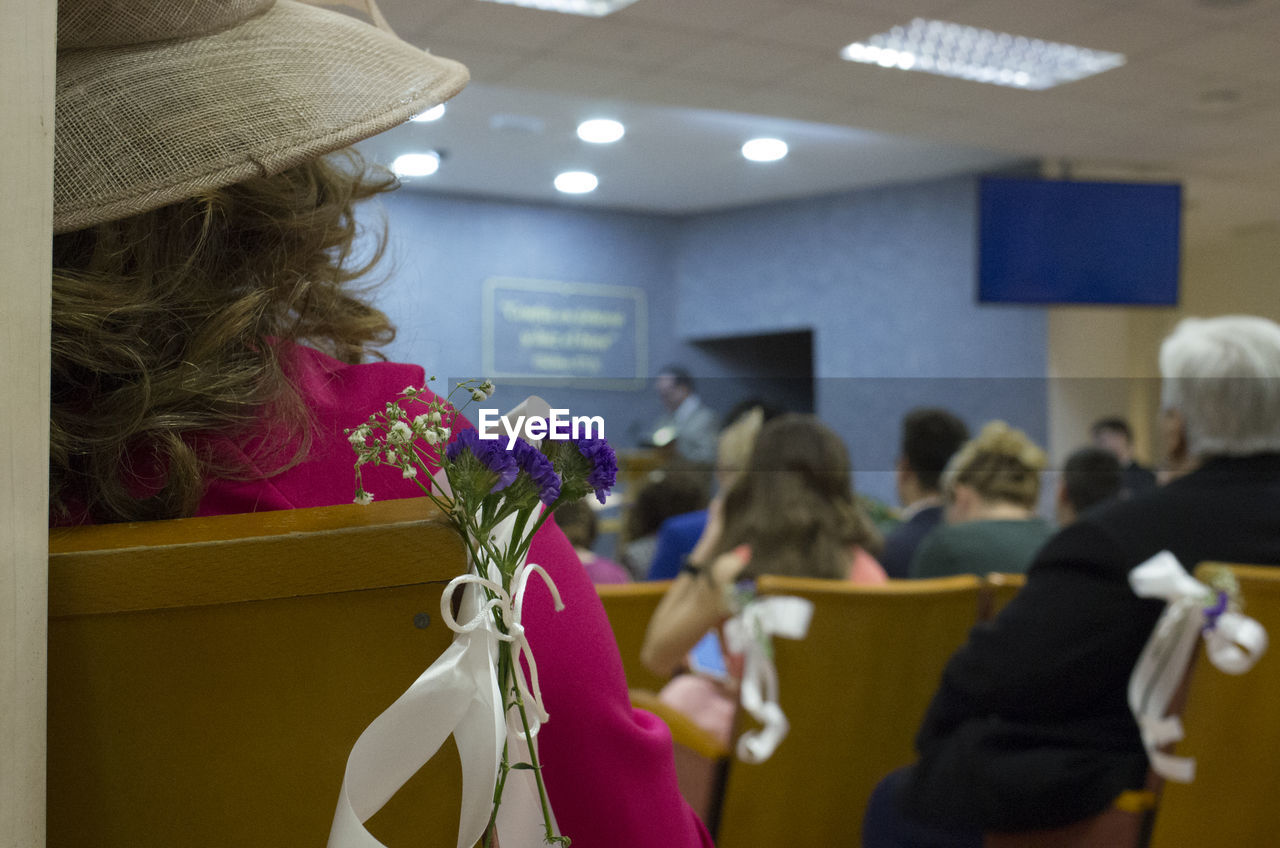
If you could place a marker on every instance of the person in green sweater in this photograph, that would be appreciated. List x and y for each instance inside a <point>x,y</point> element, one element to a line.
<point>991,487</point>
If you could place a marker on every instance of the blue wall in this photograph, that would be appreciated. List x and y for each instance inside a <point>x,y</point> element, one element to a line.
<point>443,248</point>
<point>884,280</point>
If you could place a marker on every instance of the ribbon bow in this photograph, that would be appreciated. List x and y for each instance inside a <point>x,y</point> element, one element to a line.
<point>1233,643</point>
<point>511,607</point>
<point>748,633</point>
<point>458,694</point>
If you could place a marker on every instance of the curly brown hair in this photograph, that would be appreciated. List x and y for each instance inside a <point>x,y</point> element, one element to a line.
<point>794,503</point>
<point>170,325</point>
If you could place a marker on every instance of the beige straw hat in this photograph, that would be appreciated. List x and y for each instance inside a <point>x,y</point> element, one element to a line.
<point>158,100</point>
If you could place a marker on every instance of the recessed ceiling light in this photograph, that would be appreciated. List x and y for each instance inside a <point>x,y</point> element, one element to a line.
<point>435,113</point>
<point>601,131</point>
<point>416,164</point>
<point>764,149</point>
<point>592,8</point>
<point>998,58</point>
<point>576,182</point>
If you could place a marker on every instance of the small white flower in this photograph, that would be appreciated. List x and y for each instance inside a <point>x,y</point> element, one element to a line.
<point>421,422</point>
<point>358,436</point>
<point>477,394</point>
<point>410,471</point>
<point>364,498</point>
<point>431,436</point>
<point>408,390</point>
<point>487,388</point>
<point>392,457</point>
<point>400,433</point>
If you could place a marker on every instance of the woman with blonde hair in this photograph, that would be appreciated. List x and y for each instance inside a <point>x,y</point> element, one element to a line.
<point>991,487</point>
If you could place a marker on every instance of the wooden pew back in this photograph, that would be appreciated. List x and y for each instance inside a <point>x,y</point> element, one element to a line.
<point>208,676</point>
<point>1232,728</point>
<point>854,692</point>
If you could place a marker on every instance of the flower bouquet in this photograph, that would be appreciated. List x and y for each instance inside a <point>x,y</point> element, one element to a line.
<point>497,491</point>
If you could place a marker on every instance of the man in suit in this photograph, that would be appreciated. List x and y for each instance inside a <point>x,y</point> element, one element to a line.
<point>929,438</point>
<point>1030,727</point>
<point>1115,435</point>
<point>689,425</point>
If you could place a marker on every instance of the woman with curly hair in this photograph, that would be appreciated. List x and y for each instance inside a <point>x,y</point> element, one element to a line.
<point>991,487</point>
<point>211,346</point>
<point>792,512</point>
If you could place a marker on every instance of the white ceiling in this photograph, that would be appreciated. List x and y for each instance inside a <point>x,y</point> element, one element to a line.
<point>1198,100</point>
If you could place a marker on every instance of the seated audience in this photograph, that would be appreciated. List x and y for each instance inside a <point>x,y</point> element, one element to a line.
<point>792,512</point>
<point>992,485</point>
<point>678,534</point>
<point>929,439</point>
<point>578,521</point>
<point>1115,435</point>
<point>674,491</point>
<point>1090,476</point>
<point>1031,728</point>
<point>210,344</point>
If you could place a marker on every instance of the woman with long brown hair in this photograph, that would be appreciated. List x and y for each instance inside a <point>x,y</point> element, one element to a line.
<point>791,511</point>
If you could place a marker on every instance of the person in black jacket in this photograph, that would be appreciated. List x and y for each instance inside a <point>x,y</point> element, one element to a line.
<point>1030,727</point>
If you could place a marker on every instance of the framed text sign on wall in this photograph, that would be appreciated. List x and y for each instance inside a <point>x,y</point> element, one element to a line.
<point>540,330</point>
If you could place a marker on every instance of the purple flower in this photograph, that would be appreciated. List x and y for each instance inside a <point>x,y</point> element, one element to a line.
<point>604,465</point>
<point>540,470</point>
<point>1214,612</point>
<point>490,454</point>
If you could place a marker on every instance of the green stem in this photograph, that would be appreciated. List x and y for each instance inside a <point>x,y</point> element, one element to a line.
<point>490,830</point>
<point>551,837</point>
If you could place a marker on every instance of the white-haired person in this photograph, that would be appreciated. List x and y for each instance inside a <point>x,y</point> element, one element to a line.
<point>1030,728</point>
<point>209,346</point>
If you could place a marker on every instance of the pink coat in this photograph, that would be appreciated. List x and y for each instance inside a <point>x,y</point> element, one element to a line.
<point>608,767</point>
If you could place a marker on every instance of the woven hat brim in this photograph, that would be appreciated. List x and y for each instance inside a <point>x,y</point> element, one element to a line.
<point>140,127</point>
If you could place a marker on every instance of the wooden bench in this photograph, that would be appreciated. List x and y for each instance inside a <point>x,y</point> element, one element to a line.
<point>208,676</point>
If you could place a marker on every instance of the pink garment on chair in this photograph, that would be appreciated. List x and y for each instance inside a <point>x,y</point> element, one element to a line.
<point>608,767</point>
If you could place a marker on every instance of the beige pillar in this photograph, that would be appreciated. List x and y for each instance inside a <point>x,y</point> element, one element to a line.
<point>27,44</point>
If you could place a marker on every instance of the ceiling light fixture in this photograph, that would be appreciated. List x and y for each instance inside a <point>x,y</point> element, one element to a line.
<point>764,149</point>
<point>591,8</point>
<point>412,165</point>
<point>998,58</point>
<point>435,113</point>
<point>601,131</point>
<point>576,182</point>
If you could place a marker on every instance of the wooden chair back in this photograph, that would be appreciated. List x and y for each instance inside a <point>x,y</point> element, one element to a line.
<point>629,607</point>
<point>208,676</point>
<point>1233,730</point>
<point>998,590</point>
<point>854,692</point>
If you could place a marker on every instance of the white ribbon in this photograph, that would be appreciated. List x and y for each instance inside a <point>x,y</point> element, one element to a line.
<point>459,695</point>
<point>511,606</point>
<point>1233,643</point>
<point>749,633</point>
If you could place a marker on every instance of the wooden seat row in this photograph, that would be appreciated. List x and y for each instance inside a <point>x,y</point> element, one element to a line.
<point>856,689</point>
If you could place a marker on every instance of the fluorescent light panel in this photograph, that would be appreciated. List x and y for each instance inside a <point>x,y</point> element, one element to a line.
<point>953,50</point>
<point>591,8</point>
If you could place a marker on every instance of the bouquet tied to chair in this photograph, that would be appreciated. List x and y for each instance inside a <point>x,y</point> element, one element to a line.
<point>497,493</point>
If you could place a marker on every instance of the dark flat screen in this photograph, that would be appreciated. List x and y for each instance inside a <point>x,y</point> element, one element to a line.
<point>1052,241</point>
